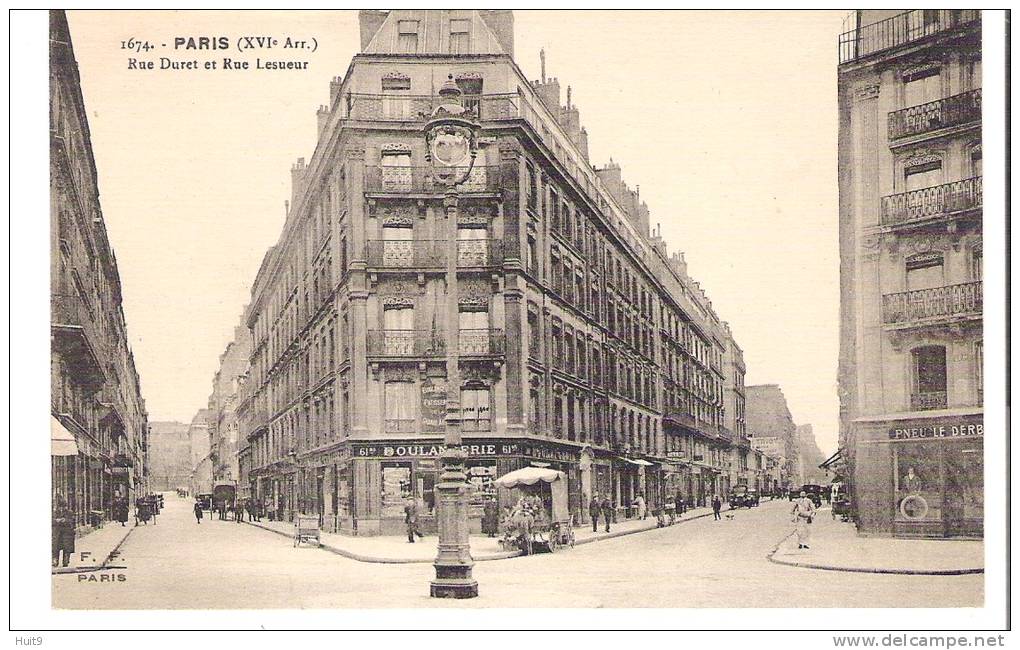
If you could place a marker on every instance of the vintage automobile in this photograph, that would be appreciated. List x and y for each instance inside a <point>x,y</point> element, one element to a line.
<point>206,500</point>
<point>814,492</point>
<point>739,497</point>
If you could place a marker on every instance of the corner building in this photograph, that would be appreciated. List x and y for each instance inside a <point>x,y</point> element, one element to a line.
<point>911,341</point>
<point>582,344</point>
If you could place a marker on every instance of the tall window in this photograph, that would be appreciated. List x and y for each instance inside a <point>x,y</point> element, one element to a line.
<point>532,189</point>
<point>460,36</point>
<point>922,87</point>
<point>979,368</point>
<point>929,378</point>
<point>396,171</point>
<point>395,102</point>
<point>472,247</point>
<point>919,177</point>
<point>532,255</point>
<point>471,87</point>
<point>976,264</point>
<point>407,39</point>
<point>475,409</point>
<point>398,247</point>
<point>925,271</point>
<point>398,323</point>
<point>399,406</point>
<point>534,334</point>
<point>474,331</point>
<point>975,162</point>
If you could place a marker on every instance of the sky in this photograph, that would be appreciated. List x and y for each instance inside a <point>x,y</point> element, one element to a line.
<point>726,120</point>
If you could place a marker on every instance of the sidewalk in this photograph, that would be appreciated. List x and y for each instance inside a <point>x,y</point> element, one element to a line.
<point>92,551</point>
<point>397,550</point>
<point>835,546</point>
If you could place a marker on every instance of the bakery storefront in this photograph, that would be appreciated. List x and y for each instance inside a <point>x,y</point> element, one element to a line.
<point>386,474</point>
<point>934,487</point>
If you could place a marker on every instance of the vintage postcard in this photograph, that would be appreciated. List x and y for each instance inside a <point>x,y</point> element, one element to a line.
<point>480,308</point>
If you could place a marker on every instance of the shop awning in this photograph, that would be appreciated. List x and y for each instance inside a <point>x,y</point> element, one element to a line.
<point>61,440</point>
<point>833,460</point>
<point>637,461</point>
<point>528,476</point>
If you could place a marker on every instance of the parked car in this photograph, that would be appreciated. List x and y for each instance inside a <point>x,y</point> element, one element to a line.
<point>739,497</point>
<point>814,493</point>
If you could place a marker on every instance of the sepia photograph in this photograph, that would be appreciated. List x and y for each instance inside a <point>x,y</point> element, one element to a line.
<point>599,310</point>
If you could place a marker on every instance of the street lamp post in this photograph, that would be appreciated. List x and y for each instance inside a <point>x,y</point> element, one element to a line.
<point>451,133</point>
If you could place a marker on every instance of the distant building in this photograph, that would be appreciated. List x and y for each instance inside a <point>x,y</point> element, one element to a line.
<point>169,456</point>
<point>201,445</point>
<point>910,234</point>
<point>771,428</point>
<point>223,401</point>
<point>98,420</point>
<point>810,457</point>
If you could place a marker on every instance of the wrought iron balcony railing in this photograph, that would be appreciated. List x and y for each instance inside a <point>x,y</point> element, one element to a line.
<point>481,342</point>
<point>419,180</point>
<point>74,320</point>
<point>406,254</point>
<point>901,29</point>
<point>928,401</point>
<point>940,302</point>
<point>949,111</point>
<point>431,253</point>
<point>406,343</point>
<point>933,201</point>
<point>394,107</point>
<point>479,252</point>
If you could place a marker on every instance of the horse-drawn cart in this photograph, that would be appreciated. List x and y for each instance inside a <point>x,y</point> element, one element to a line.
<point>541,519</point>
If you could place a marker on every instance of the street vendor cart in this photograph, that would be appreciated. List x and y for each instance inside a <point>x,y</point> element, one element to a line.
<point>306,528</point>
<point>541,519</point>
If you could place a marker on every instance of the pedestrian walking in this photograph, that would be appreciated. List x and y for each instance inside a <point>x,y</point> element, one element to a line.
<point>642,508</point>
<point>490,516</point>
<point>716,507</point>
<point>198,512</point>
<point>803,516</point>
<point>607,511</point>
<point>222,508</point>
<point>411,519</point>
<point>594,511</point>
<point>681,505</point>
<point>63,531</point>
<point>121,510</point>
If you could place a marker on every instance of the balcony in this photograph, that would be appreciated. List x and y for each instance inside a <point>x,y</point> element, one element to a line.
<point>406,343</point>
<point>475,253</point>
<point>928,401</point>
<point>76,335</point>
<point>392,107</point>
<point>406,254</point>
<point>931,202</point>
<point>951,111</point>
<point>958,301</point>
<point>681,418</point>
<point>901,29</point>
<point>419,180</point>
<point>481,342</point>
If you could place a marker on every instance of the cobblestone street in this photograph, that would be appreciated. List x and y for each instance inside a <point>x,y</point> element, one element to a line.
<point>702,563</point>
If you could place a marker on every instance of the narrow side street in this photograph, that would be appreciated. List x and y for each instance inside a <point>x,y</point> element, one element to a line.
<point>703,563</point>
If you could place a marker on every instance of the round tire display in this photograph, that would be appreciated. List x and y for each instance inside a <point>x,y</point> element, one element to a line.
<point>914,507</point>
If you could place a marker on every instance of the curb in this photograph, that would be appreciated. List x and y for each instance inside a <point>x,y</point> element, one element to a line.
<point>831,567</point>
<point>484,558</point>
<point>105,564</point>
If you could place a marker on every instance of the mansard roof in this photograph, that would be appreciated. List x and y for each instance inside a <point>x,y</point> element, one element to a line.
<point>434,32</point>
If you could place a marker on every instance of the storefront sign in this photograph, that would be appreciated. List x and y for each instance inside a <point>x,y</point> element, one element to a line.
<point>429,450</point>
<point>433,406</point>
<point>959,430</point>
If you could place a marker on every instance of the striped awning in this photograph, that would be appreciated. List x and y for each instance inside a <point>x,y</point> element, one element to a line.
<point>62,441</point>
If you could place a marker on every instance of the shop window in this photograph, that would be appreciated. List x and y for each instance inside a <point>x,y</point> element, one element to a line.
<point>929,378</point>
<point>407,38</point>
<point>918,483</point>
<point>396,489</point>
<point>476,410</point>
<point>399,398</point>
<point>964,507</point>
<point>460,36</point>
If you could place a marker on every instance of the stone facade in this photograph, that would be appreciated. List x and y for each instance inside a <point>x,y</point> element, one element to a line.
<point>223,422</point>
<point>95,390</point>
<point>772,430</point>
<point>911,342</point>
<point>169,456</point>
<point>582,344</point>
